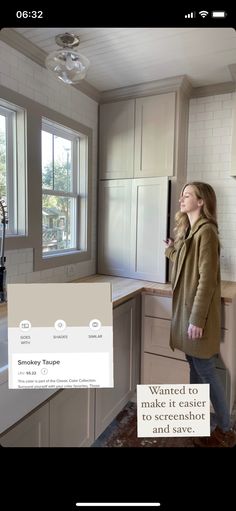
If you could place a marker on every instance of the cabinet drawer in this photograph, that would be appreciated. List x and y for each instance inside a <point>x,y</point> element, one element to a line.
<point>158,306</point>
<point>157,337</point>
<point>159,370</point>
<point>226,309</point>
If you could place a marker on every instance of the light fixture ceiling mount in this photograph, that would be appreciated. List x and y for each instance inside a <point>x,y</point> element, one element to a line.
<point>68,65</point>
<point>70,40</point>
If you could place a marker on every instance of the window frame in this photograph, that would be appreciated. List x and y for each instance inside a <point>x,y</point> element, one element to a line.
<point>16,163</point>
<point>30,162</point>
<point>76,140</point>
<point>82,252</point>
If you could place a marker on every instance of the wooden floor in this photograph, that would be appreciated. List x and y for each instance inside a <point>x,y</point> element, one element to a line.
<point>122,432</point>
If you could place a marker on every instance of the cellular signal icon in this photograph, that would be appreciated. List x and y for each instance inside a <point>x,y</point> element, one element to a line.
<point>203,14</point>
<point>190,15</point>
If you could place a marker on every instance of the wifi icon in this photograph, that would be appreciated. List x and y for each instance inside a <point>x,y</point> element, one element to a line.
<point>203,14</point>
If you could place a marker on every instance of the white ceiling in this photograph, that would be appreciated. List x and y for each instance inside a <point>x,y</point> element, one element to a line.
<point>121,57</point>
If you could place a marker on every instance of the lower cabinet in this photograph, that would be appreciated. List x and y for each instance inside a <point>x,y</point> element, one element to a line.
<point>109,402</point>
<point>76,417</point>
<point>72,418</point>
<point>159,364</point>
<point>33,431</point>
<point>67,420</point>
<point>157,369</point>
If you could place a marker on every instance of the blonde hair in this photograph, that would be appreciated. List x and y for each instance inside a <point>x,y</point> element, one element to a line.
<point>202,191</point>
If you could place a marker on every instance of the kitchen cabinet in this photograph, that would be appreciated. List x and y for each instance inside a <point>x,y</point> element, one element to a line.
<point>114,227</point>
<point>67,420</point>
<point>116,148</point>
<point>139,137</point>
<point>159,364</point>
<point>33,431</point>
<point>226,360</point>
<point>155,135</point>
<point>143,140</point>
<point>126,338</point>
<point>133,218</point>
<point>72,418</point>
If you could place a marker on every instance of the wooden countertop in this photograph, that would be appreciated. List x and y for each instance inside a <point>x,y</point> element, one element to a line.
<point>124,288</point>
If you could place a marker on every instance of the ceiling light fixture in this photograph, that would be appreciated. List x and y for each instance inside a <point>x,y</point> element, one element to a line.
<point>69,65</point>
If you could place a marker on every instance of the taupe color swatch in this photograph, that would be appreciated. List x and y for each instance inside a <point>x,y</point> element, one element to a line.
<point>43,304</point>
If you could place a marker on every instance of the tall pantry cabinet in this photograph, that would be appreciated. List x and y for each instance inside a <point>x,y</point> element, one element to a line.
<point>142,147</point>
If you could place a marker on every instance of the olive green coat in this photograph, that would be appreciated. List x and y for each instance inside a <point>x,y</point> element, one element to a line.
<point>196,290</point>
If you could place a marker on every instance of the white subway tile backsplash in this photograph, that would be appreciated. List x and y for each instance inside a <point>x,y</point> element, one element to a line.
<point>222,131</point>
<point>213,123</point>
<point>204,116</point>
<point>222,114</point>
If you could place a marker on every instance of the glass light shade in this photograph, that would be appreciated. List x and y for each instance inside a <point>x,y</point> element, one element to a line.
<point>68,65</point>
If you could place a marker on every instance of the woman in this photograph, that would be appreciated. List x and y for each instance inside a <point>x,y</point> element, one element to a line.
<point>195,279</point>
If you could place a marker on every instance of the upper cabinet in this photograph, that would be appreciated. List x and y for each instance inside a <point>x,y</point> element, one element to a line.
<point>142,146</point>
<point>154,136</point>
<point>117,140</point>
<point>139,137</point>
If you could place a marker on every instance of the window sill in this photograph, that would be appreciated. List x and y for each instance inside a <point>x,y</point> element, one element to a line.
<point>53,261</point>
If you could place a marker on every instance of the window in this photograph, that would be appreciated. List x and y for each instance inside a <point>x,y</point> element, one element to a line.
<point>13,166</point>
<point>64,190</point>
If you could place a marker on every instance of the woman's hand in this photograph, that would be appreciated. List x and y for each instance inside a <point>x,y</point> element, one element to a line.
<point>194,332</point>
<point>169,242</point>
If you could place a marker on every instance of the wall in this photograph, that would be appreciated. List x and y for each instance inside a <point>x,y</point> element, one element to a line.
<point>20,74</point>
<point>209,160</point>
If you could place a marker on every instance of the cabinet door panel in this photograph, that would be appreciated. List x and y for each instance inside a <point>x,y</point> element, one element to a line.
<point>157,337</point>
<point>72,418</point>
<point>114,227</point>
<point>158,306</point>
<point>154,135</point>
<point>33,431</point>
<point>160,370</point>
<point>117,140</point>
<point>109,402</point>
<point>148,228</point>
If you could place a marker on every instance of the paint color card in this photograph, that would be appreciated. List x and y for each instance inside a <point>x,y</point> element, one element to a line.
<point>60,336</point>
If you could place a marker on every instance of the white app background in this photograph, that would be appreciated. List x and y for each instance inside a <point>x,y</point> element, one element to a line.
<point>52,344</point>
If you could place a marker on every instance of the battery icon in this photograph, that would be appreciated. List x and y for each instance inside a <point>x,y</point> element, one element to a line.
<point>218,14</point>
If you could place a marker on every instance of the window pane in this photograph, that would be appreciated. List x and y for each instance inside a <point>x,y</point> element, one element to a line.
<point>62,165</point>
<point>47,161</point>
<point>3,177</point>
<point>58,219</point>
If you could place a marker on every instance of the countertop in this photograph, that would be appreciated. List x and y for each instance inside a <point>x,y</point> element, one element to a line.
<point>124,288</point>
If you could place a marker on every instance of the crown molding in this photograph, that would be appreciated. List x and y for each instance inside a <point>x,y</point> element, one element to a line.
<point>33,52</point>
<point>147,89</point>
<point>212,90</point>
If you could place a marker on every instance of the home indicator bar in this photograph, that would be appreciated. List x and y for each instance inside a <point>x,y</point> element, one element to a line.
<point>117,504</point>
